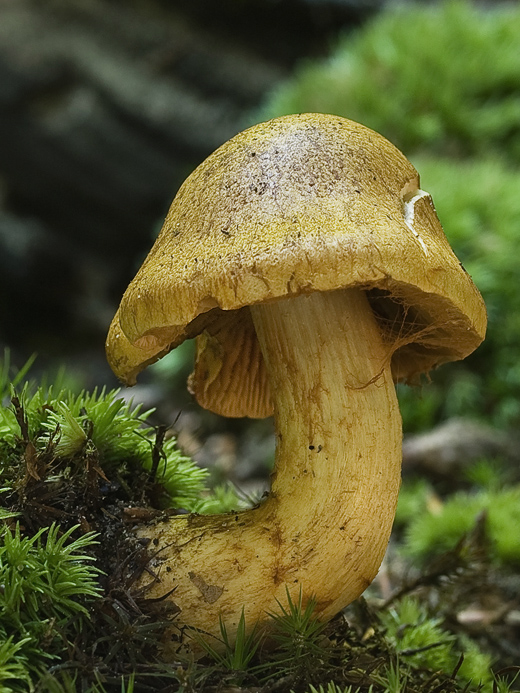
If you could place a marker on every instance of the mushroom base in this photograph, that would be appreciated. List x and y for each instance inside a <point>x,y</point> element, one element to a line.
<point>325,525</point>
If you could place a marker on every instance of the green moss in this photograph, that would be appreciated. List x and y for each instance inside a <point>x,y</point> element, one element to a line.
<point>104,428</point>
<point>83,459</point>
<point>421,640</point>
<point>48,581</point>
<point>331,687</point>
<point>432,532</point>
<point>404,648</point>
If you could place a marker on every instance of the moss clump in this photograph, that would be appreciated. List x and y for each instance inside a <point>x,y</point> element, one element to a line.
<point>95,443</point>
<point>434,531</point>
<point>73,468</point>
<point>422,641</point>
<point>48,583</point>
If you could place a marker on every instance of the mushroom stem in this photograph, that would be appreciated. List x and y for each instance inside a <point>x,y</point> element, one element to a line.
<point>325,525</point>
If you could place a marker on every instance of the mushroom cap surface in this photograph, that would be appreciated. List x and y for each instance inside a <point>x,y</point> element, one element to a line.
<point>302,203</point>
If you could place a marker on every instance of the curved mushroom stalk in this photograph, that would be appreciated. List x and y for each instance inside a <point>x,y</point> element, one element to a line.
<point>325,525</point>
<point>303,204</point>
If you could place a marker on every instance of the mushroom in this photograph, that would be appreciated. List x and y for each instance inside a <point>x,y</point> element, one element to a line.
<point>315,272</point>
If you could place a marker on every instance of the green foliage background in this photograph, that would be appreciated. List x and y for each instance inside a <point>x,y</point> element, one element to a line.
<point>442,82</point>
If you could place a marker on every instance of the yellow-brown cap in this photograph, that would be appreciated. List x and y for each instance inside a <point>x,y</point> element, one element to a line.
<point>302,203</point>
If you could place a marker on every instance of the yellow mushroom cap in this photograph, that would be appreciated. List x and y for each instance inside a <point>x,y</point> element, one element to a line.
<point>302,203</point>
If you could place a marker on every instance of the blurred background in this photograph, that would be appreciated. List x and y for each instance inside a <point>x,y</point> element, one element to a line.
<point>107,105</point>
